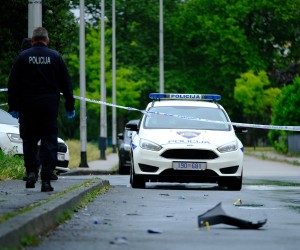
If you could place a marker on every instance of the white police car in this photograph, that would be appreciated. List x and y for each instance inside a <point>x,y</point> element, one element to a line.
<point>11,142</point>
<point>186,138</point>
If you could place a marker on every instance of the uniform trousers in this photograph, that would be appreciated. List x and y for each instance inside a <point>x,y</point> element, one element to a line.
<point>39,132</point>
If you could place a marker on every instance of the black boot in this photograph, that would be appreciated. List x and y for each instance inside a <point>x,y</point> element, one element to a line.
<point>25,178</point>
<point>53,177</point>
<point>31,180</point>
<point>46,186</point>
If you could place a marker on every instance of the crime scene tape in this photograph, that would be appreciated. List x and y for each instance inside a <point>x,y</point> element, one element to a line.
<point>246,125</point>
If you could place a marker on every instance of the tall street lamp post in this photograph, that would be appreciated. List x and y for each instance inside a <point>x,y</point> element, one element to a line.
<point>161,47</point>
<point>103,116</point>
<point>34,15</point>
<point>114,113</point>
<point>83,129</point>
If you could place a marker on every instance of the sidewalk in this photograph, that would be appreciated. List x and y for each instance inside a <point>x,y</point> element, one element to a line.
<point>99,167</point>
<point>49,206</point>
<point>272,156</point>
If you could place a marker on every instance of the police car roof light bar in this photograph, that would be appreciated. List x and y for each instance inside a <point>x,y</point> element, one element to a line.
<point>196,97</point>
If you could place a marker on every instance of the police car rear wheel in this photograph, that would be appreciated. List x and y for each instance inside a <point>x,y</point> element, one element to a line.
<point>121,168</point>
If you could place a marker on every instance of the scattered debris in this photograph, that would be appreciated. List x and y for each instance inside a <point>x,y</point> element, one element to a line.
<point>216,215</point>
<point>154,231</point>
<point>119,241</point>
<point>237,202</point>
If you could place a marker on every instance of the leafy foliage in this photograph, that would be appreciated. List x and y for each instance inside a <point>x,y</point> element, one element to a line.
<point>208,45</point>
<point>286,112</point>
<point>252,94</point>
<point>255,97</point>
<point>128,86</point>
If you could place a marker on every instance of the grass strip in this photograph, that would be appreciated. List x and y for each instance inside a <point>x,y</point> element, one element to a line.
<point>270,183</point>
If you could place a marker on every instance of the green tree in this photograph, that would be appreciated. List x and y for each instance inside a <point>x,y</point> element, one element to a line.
<point>217,40</point>
<point>208,44</point>
<point>255,96</point>
<point>128,87</point>
<point>286,113</point>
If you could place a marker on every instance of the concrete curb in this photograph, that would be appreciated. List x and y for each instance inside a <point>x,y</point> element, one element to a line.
<point>43,218</point>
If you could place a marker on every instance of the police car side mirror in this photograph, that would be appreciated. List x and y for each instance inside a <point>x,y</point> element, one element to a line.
<point>240,130</point>
<point>131,126</point>
<point>121,136</point>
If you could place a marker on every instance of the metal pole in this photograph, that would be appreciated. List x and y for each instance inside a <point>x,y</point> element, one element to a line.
<point>114,113</point>
<point>161,47</point>
<point>103,117</point>
<point>34,15</point>
<point>83,133</point>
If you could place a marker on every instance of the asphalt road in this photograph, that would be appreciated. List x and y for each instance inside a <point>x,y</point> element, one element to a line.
<point>164,216</point>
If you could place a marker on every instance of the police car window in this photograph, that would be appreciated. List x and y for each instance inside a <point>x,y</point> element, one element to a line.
<point>128,133</point>
<point>211,118</point>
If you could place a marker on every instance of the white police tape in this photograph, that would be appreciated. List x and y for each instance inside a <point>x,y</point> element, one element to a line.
<point>274,127</point>
<point>105,103</point>
<point>246,125</point>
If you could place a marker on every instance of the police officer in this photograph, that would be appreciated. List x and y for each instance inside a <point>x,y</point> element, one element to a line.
<point>38,76</point>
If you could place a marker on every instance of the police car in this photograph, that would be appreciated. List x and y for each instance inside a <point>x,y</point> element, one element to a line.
<point>123,146</point>
<point>186,138</point>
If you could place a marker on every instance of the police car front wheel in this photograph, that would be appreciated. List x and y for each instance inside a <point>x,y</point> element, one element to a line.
<point>233,184</point>
<point>136,181</point>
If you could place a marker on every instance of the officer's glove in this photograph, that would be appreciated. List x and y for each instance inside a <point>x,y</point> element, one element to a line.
<point>70,114</point>
<point>14,114</point>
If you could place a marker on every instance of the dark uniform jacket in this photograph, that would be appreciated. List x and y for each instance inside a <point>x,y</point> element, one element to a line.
<point>38,74</point>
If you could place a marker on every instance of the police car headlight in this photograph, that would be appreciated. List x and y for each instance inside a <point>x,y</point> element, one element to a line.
<point>148,145</point>
<point>229,147</point>
<point>14,138</point>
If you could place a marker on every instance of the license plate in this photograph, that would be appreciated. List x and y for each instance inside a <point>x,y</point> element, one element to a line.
<point>179,165</point>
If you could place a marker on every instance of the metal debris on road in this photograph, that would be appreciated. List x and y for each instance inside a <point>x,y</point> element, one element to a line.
<point>154,231</point>
<point>216,215</point>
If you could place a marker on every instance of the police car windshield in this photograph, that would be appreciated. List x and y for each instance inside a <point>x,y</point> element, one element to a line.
<point>6,118</point>
<point>215,119</point>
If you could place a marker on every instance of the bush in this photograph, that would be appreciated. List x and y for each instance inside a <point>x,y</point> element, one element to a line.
<point>286,112</point>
